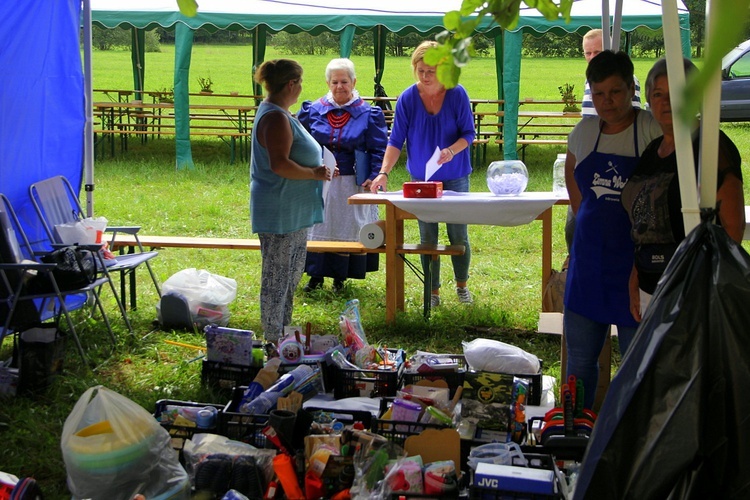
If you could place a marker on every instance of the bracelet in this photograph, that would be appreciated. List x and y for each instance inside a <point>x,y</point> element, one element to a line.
<point>383,173</point>
<point>451,152</point>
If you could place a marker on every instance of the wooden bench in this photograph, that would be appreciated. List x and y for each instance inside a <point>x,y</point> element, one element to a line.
<point>128,243</point>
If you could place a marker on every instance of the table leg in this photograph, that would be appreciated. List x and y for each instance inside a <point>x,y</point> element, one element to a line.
<point>394,267</point>
<point>546,247</point>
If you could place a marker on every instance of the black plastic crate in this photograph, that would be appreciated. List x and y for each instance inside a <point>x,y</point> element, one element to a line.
<point>242,426</point>
<point>368,383</point>
<point>454,379</point>
<point>534,461</point>
<point>181,433</point>
<point>227,376</point>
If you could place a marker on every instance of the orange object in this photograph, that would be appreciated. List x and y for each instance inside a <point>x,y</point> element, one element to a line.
<point>284,469</point>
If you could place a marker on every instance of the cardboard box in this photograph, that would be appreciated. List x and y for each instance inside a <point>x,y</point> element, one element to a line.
<point>429,189</point>
<point>507,478</point>
<point>229,345</point>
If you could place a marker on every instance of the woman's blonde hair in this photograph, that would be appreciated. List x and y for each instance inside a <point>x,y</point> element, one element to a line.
<point>418,54</point>
<point>273,75</point>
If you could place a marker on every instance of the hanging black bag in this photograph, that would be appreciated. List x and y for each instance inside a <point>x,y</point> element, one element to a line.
<point>76,267</point>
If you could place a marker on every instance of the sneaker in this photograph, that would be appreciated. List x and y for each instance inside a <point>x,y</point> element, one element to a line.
<point>313,284</point>
<point>464,295</point>
<point>434,300</point>
<point>338,286</point>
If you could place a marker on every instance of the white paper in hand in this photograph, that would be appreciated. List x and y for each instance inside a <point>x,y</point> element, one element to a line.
<point>432,164</point>
<point>330,163</point>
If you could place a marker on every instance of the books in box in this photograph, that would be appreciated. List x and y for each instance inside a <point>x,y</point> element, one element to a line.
<point>514,479</point>
<point>229,345</point>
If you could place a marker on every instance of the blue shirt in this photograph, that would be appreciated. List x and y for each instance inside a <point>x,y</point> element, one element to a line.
<point>364,130</point>
<point>279,205</point>
<point>423,132</point>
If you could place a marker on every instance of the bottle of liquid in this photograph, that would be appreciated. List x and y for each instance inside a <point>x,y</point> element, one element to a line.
<point>262,381</point>
<point>266,400</point>
<point>558,177</point>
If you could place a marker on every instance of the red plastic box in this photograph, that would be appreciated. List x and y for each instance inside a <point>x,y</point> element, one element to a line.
<point>430,189</point>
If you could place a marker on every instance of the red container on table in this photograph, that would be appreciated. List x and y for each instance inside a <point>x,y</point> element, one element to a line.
<point>429,189</point>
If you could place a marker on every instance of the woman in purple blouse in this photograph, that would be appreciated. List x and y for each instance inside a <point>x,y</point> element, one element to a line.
<point>429,116</point>
<point>356,134</point>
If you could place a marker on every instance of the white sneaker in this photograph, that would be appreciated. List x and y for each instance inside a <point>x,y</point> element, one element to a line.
<point>434,300</point>
<point>464,295</point>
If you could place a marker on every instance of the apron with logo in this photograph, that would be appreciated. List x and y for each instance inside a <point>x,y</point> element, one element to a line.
<point>602,251</point>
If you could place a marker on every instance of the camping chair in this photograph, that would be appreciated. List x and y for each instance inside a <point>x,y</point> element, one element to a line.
<point>29,292</point>
<point>57,203</point>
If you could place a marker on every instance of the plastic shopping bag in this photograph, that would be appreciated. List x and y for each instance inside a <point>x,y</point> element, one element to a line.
<point>113,449</point>
<point>207,295</point>
<point>82,232</point>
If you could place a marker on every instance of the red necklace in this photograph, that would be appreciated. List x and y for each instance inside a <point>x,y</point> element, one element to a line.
<point>338,121</point>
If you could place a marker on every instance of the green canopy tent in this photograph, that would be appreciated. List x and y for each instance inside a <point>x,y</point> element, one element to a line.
<point>347,18</point>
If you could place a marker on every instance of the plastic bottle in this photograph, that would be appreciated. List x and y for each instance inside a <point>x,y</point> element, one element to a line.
<point>341,361</point>
<point>558,177</point>
<point>262,381</point>
<point>266,400</point>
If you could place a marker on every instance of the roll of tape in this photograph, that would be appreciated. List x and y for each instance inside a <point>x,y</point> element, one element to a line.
<point>372,235</point>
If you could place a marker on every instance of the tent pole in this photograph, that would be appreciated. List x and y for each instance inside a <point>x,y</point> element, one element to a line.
<point>88,129</point>
<point>682,135</point>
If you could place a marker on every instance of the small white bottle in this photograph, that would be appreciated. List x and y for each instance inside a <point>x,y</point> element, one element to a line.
<point>558,177</point>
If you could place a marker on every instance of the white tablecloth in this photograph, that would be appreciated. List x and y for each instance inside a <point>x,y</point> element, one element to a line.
<point>475,208</point>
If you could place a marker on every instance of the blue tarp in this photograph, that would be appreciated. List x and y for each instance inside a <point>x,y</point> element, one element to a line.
<point>41,98</point>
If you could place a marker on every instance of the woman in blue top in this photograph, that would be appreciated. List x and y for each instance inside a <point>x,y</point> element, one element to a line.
<point>285,191</point>
<point>429,116</point>
<point>356,134</point>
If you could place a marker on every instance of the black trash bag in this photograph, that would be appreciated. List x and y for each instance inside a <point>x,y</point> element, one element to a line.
<point>675,422</point>
<point>39,354</point>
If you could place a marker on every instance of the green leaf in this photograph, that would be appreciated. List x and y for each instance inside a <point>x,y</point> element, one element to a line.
<point>437,56</point>
<point>188,8</point>
<point>462,52</point>
<point>448,74</point>
<point>452,20</point>
<point>721,41</point>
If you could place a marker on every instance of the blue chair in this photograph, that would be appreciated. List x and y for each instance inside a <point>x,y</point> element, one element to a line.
<point>29,292</point>
<point>57,203</point>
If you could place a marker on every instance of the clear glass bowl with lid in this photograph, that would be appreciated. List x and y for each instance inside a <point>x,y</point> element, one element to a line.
<point>507,178</point>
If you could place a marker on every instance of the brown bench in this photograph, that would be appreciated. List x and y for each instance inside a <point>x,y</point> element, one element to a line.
<point>128,243</point>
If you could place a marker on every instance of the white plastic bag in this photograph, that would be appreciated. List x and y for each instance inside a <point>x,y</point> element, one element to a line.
<point>207,295</point>
<point>495,356</point>
<point>83,232</point>
<point>113,448</point>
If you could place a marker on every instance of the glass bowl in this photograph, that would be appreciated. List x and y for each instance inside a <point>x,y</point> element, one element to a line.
<point>507,178</point>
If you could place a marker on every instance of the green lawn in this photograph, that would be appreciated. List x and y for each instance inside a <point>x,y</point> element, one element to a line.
<point>142,187</point>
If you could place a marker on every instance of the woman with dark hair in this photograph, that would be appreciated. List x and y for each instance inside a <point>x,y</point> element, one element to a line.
<point>285,191</point>
<point>356,134</point>
<point>652,195</point>
<point>602,154</point>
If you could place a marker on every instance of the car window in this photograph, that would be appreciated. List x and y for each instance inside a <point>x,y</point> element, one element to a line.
<point>741,67</point>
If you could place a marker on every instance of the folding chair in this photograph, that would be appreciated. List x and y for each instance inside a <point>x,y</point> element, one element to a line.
<point>29,292</point>
<point>57,203</point>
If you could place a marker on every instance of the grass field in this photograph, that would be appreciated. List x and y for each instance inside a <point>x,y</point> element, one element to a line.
<point>142,187</point>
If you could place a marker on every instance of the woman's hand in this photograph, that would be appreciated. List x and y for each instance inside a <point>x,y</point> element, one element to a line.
<point>321,173</point>
<point>446,155</point>
<point>378,183</point>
